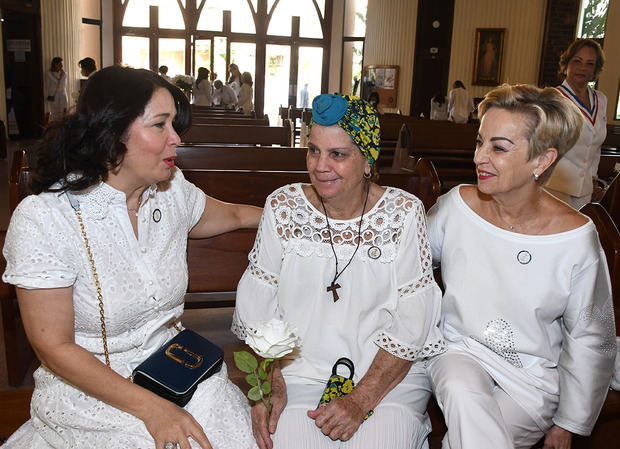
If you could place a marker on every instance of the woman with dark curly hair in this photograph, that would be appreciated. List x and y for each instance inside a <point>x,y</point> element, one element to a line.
<point>113,161</point>
<point>574,178</point>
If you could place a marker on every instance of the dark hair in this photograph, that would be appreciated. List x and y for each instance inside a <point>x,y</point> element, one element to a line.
<point>89,142</point>
<point>163,69</point>
<point>439,97</point>
<point>572,50</point>
<point>458,83</point>
<point>55,61</point>
<point>88,64</point>
<point>218,84</point>
<point>374,95</point>
<point>203,74</point>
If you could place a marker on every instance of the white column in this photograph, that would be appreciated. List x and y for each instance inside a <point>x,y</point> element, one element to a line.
<point>61,29</point>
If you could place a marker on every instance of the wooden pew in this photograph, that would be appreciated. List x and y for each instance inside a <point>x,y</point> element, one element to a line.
<point>19,354</point>
<point>242,120</point>
<point>612,141</point>
<point>241,157</point>
<point>213,110</point>
<point>240,134</point>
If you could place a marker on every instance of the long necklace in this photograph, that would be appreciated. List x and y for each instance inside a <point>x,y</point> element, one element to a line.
<point>333,287</point>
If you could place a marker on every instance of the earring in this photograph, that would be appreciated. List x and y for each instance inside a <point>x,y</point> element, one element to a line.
<point>367,175</point>
<point>536,176</point>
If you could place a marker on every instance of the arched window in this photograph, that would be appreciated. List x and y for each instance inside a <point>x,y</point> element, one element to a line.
<point>267,38</point>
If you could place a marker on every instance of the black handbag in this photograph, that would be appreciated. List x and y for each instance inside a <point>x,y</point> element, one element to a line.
<point>175,370</point>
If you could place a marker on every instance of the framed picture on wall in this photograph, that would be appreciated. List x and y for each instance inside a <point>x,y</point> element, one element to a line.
<point>488,56</point>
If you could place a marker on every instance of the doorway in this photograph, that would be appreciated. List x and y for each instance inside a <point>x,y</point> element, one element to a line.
<point>21,41</point>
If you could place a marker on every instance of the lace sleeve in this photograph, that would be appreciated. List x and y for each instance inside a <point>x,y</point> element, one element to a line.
<point>257,289</point>
<point>413,332</point>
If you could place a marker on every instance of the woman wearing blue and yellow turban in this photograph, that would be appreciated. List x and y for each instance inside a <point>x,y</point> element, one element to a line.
<point>347,263</point>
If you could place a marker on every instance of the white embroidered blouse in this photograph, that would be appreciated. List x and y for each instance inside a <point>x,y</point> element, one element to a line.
<point>535,311</point>
<point>388,297</point>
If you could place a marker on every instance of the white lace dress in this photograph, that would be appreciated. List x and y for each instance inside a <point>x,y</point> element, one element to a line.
<point>143,284</point>
<point>388,300</point>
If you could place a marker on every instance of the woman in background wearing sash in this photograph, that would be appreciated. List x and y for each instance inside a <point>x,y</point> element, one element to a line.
<point>574,178</point>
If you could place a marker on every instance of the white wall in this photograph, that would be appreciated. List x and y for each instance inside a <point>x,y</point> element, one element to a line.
<point>524,21</point>
<point>390,40</point>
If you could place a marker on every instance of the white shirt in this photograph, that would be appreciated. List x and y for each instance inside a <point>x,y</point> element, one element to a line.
<point>460,105</point>
<point>388,297</point>
<point>535,311</point>
<point>574,172</point>
<point>245,99</point>
<point>203,93</point>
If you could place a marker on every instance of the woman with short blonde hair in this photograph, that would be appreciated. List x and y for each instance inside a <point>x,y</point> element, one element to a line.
<point>529,325</point>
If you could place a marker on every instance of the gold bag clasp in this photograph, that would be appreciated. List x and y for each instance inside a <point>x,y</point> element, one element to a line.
<point>178,359</point>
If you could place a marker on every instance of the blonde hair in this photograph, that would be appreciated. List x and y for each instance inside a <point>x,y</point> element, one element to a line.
<point>551,120</point>
<point>246,78</point>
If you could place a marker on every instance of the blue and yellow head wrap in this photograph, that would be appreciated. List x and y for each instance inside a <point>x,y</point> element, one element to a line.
<point>355,116</point>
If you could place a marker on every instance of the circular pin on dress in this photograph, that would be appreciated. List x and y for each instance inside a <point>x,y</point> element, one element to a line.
<point>156,215</point>
<point>524,257</point>
<point>374,252</point>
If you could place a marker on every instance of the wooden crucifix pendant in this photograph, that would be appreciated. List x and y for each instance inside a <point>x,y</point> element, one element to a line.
<point>333,288</point>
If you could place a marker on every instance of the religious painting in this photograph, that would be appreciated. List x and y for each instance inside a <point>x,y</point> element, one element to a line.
<point>488,56</point>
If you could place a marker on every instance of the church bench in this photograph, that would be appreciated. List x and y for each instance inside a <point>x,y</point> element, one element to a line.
<point>232,120</point>
<point>196,109</point>
<point>240,134</point>
<point>241,157</point>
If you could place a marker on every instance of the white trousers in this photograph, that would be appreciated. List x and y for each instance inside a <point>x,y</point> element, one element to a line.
<point>398,422</point>
<point>478,413</point>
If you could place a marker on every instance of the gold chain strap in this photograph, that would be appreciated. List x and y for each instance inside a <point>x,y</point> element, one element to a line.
<point>98,285</point>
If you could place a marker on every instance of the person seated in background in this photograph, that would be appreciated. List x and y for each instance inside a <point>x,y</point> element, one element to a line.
<point>439,107</point>
<point>529,325</point>
<point>163,72</point>
<point>223,95</point>
<point>246,93</point>
<point>87,67</point>
<point>346,262</point>
<point>460,103</point>
<point>375,102</point>
<point>203,90</point>
<point>98,260</point>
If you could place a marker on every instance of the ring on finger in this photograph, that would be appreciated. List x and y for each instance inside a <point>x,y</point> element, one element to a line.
<point>170,445</point>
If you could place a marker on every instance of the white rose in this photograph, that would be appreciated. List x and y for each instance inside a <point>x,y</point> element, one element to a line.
<point>271,339</point>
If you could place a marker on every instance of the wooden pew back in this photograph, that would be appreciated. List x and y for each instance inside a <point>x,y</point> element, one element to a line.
<point>241,157</point>
<point>234,120</point>
<point>240,134</point>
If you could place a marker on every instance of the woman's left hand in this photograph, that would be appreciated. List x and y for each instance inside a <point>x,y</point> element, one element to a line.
<point>339,419</point>
<point>558,438</point>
